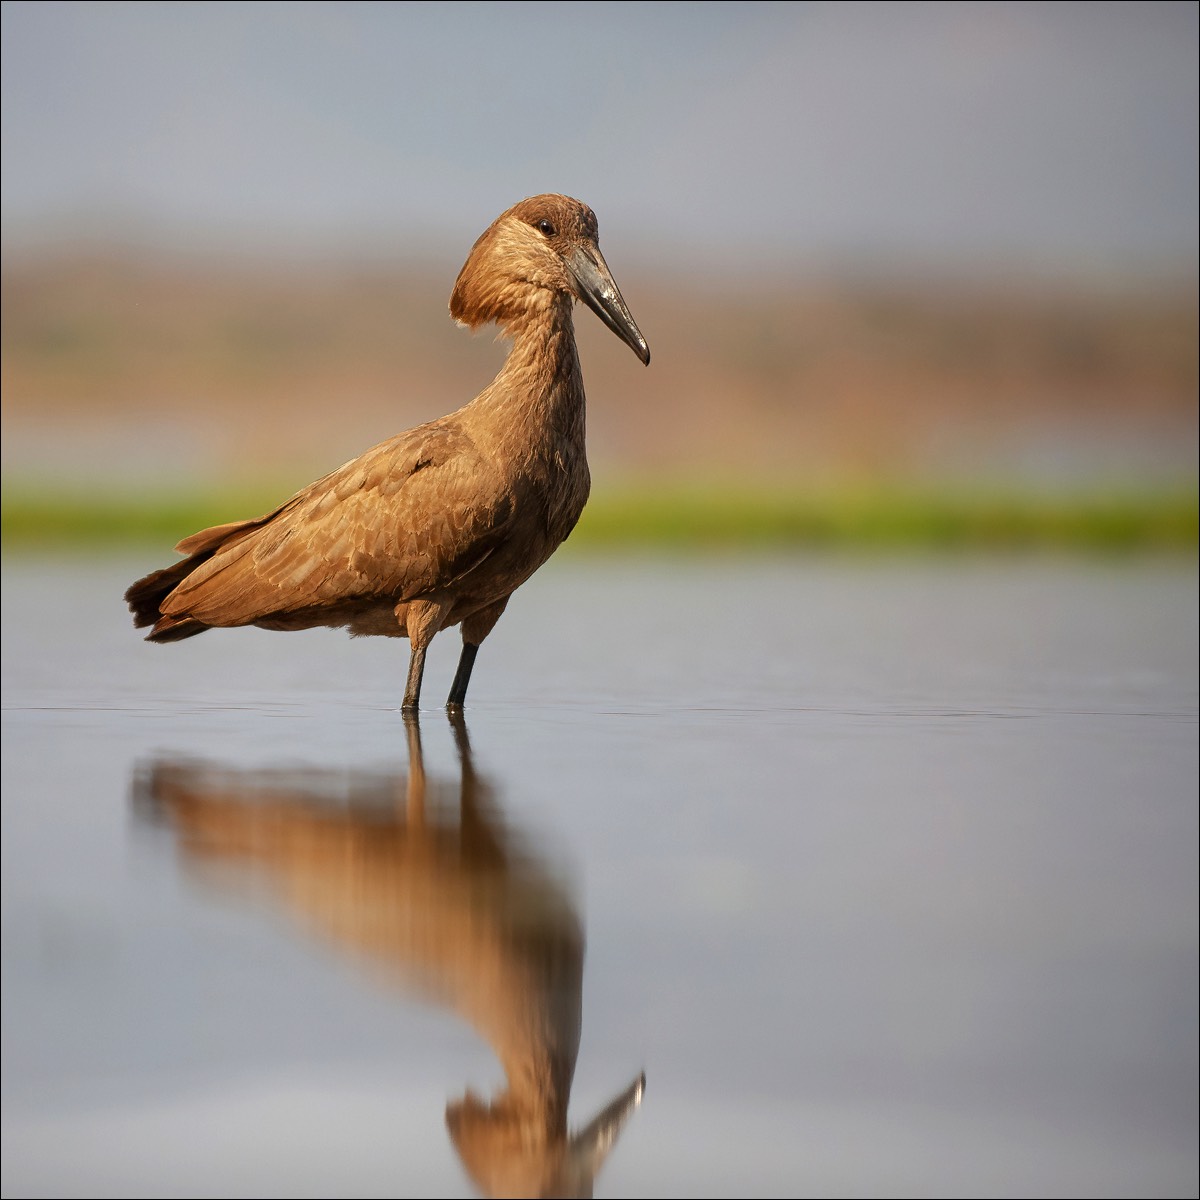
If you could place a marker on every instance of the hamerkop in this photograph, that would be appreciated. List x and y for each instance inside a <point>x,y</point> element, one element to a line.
<point>440,525</point>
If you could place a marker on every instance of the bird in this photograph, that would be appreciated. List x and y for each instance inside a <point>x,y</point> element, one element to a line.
<point>439,525</point>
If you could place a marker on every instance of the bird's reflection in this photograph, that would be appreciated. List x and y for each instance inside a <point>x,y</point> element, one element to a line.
<point>433,887</point>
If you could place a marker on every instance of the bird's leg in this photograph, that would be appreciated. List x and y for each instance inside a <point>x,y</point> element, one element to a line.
<point>458,689</point>
<point>416,668</point>
<point>474,629</point>
<point>422,619</point>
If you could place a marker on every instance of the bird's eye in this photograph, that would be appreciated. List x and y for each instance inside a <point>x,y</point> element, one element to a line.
<point>546,227</point>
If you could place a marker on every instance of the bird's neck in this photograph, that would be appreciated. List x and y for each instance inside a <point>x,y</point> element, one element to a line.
<point>537,399</point>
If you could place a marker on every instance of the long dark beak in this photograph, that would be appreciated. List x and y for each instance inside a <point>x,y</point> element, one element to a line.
<point>597,289</point>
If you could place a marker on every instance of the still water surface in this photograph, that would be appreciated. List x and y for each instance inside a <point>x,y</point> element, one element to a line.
<point>883,872</point>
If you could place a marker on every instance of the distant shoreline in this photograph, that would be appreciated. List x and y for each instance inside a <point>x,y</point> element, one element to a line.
<point>698,520</point>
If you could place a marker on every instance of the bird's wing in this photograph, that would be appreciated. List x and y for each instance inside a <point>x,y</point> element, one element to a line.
<point>407,518</point>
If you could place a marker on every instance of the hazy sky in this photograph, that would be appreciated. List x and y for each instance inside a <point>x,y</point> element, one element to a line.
<point>1030,134</point>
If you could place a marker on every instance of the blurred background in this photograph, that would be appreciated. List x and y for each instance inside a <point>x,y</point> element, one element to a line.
<point>876,248</point>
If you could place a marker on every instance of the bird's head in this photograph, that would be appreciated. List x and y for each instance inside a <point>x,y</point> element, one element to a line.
<point>539,250</point>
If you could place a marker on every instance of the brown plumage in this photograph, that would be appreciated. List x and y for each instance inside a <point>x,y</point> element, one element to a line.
<point>439,525</point>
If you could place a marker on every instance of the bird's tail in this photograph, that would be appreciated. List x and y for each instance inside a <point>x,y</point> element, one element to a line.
<point>146,596</point>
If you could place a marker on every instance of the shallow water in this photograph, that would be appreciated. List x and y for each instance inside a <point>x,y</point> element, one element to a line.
<point>887,873</point>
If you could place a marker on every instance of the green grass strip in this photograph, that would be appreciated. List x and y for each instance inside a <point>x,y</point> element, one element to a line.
<point>883,518</point>
<point>696,519</point>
